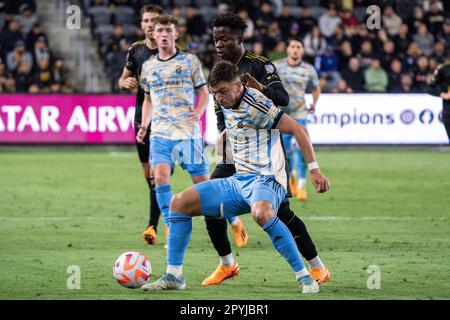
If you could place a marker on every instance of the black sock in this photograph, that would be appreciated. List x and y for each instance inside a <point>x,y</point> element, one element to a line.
<point>217,230</point>
<point>155,212</point>
<point>298,229</point>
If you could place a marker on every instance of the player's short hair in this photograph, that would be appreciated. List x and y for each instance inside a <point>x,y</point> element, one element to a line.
<point>151,8</point>
<point>298,39</point>
<point>231,20</point>
<point>165,19</point>
<point>223,71</point>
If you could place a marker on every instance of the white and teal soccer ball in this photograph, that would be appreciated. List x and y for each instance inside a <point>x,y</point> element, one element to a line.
<point>132,269</point>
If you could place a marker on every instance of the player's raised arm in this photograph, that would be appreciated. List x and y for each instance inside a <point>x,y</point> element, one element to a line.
<point>289,126</point>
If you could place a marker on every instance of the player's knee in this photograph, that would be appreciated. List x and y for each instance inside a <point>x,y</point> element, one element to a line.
<point>162,178</point>
<point>185,202</point>
<point>262,212</point>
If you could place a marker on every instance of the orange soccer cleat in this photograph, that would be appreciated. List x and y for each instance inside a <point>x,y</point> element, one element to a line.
<point>239,233</point>
<point>293,187</point>
<point>301,194</point>
<point>320,275</point>
<point>149,235</point>
<point>221,273</point>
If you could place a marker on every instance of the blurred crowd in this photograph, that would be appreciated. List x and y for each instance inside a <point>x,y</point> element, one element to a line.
<point>403,44</point>
<point>26,61</point>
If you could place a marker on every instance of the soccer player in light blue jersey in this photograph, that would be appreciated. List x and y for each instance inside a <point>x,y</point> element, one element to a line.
<point>171,79</point>
<point>252,125</point>
<point>297,76</point>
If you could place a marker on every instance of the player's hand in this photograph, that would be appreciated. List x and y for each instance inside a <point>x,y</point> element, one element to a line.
<point>141,134</point>
<point>248,80</point>
<point>320,182</point>
<point>194,114</point>
<point>445,96</point>
<point>312,108</point>
<point>130,83</point>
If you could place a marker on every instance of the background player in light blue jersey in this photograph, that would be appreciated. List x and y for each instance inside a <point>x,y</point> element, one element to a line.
<point>259,186</point>
<point>297,76</point>
<point>170,81</point>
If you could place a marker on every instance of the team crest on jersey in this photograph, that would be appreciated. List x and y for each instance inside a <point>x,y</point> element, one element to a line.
<point>269,68</point>
<point>240,124</point>
<point>178,69</point>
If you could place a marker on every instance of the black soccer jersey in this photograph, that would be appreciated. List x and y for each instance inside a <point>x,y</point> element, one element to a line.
<point>137,55</point>
<point>265,72</point>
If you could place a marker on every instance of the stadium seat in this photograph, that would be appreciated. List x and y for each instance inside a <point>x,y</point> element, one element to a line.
<point>316,12</point>
<point>291,3</point>
<point>100,15</point>
<point>182,3</point>
<point>103,32</point>
<point>311,3</point>
<point>295,11</point>
<point>208,12</point>
<point>129,29</point>
<point>125,15</point>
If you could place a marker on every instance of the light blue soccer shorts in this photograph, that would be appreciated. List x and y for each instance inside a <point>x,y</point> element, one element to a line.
<point>189,154</point>
<point>228,197</point>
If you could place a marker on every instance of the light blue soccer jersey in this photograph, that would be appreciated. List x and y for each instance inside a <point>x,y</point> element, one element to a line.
<point>255,141</point>
<point>295,80</point>
<point>171,85</point>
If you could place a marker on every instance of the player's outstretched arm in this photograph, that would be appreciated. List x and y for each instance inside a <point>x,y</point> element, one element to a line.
<point>147,111</point>
<point>289,126</point>
<point>127,81</point>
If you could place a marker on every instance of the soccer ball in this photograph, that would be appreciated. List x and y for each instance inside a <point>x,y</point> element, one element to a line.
<point>132,269</point>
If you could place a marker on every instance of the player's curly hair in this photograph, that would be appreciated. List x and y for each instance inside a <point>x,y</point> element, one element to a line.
<point>231,20</point>
<point>223,71</point>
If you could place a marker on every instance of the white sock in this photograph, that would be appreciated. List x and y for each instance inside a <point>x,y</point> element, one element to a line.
<point>301,184</point>
<point>235,221</point>
<point>177,271</point>
<point>228,259</point>
<point>316,263</point>
<point>301,273</point>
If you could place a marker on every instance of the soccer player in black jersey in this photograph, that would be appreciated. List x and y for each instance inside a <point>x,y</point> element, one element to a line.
<point>440,86</point>
<point>259,73</point>
<point>138,53</point>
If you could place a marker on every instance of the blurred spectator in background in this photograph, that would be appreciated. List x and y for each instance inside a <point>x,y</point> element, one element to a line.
<point>366,54</point>
<point>329,21</point>
<point>40,50</point>
<point>286,21</point>
<point>406,85</point>
<point>421,74</point>
<point>416,19</point>
<point>424,39</point>
<point>258,48</point>
<point>349,20</point>
<point>315,44</point>
<point>278,52</point>
<point>387,54</point>
<point>391,21</point>
<point>10,36</point>
<point>411,56</point>
<point>395,72</point>
<point>249,32</point>
<point>342,87</point>
<point>26,18</point>
<point>444,34</point>
<point>402,40</point>
<point>264,17</point>
<point>43,75</point>
<point>345,53</point>
<point>272,36</point>
<point>353,75</point>
<point>375,78</point>
<point>116,61</point>
<point>36,32</point>
<point>435,17</point>
<point>194,22</point>
<point>18,55</point>
<point>306,21</point>
<point>439,53</point>
<point>22,77</point>
<point>327,65</point>
<point>2,76</point>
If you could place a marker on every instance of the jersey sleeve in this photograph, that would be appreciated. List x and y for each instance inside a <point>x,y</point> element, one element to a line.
<point>145,85</point>
<point>269,74</point>
<point>197,75</point>
<point>313,79</point>
<point>265,115</point>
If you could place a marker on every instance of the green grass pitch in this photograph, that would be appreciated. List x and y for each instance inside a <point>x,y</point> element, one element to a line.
<point>386,207</point>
